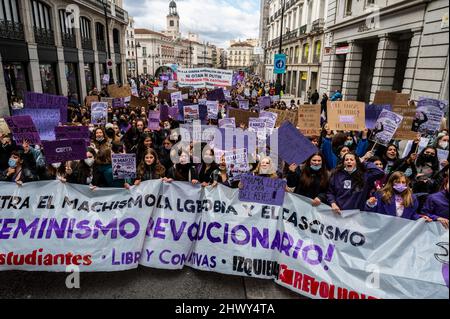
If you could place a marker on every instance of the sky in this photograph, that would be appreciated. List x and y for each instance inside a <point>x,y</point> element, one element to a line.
<point>216,21</point>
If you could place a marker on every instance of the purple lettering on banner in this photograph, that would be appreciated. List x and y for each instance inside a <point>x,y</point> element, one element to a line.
<point>290,141</point>
<point>47,101</point>
<point>373,111</point>
<point>263,190</point>
<point>64,150</point>
<point>45,121</point>
<point>153,120</point>
<point>23,128</point>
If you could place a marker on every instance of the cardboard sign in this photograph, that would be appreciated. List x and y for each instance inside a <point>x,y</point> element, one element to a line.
<point>346,116</point>
<point>262,190</point>
<point>64,150</point>
<point>241,116</point>
<point>309,119</point>
<point>23,128</point>
<point>285,115</point>
<point>124,166</point>
<point>290,142</point>
<point>116,91</point>
<point>90,99</point>
<point>404,132</point>
<point>385,127</point>
<point>99,113</point>
<point>391,98</point>
<point>136,102</point>
<point>4,129</point>
<point>45,121</point>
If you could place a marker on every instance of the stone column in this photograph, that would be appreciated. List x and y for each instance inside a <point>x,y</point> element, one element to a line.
<point>4,109</point>
<point>352,72</point>
<point>412,60</point>
<point>82,77</point>
<point>384,72</point>
<point>33,65</point>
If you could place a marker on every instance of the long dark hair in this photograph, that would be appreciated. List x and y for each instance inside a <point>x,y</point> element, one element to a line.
<point>358,176</point>
<point>156,167</point>
<point>434,162</point>
<point>306,178</point>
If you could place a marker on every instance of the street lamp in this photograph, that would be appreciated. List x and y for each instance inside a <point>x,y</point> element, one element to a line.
<point>138,45</point>
<point>105,6</point>
<point>280,49</point>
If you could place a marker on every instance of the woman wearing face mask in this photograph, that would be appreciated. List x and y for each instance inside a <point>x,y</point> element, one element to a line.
<point>395,199</point>
<point>150,168</point>
<point>145,143</point>
<point>311,180</point>
<point>427,165</point>
<point>183,171</point>
<point>351,183</point>
<point>442,142</point>
<point>55,171</point>
<point>101,142</point>
<point>83,172</point>
<point>164,153</point>
<point>17,172</point>
<point>436,206</point>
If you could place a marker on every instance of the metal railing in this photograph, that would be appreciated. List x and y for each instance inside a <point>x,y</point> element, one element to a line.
<point>303,29</point>
<point>291,35</point>
<point>120,13</point>
<point>44,36</point>
<point>101,45</point>
<point>86,43</point>
<point>11,30</point>
<point>318,25</point>
<point>68,40</point>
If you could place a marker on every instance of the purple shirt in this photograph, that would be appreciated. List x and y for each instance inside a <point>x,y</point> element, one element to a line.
<point>436,205</point>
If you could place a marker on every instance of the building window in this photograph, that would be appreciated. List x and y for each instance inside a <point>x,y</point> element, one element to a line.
<point>144,51</point>
<point>85,28</point>
<point>348,8</point>
<point>10,25</point>
<point>172,23</point>
<point>15,82</point>
<point>317,51</point>
<point>48,78</point>
<point>100,37</point>
<point>43,31</point>
<point>72,81</point>
<point>305,53</point>
<point>67,31</point>
<point>144,62</point>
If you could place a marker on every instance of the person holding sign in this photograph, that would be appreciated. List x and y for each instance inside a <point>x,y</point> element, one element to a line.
<point>16,171</point>
<point>311,180</point>
<point>436,207</point>
<point>149,168</point>
<point>427,165</point>
<point>351,183</point>
<point>395,199</point>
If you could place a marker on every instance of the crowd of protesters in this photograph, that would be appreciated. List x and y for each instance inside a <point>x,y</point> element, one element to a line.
<point>347,173</point>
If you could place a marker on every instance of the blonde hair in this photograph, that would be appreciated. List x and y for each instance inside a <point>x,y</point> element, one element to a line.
<point>388,190</point>
<point>272,173</point>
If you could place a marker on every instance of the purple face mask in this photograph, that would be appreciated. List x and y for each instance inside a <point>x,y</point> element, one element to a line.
<point>400,188</point>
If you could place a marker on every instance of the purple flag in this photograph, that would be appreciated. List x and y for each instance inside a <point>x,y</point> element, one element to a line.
<point>64,150</point>
<point>290,142</point>
<point>262,190</point>
<point>22,128</point>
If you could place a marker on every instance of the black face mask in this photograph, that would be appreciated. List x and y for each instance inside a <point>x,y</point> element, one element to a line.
<point>428,158</point>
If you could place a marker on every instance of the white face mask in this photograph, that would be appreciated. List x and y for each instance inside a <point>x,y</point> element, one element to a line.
<point>89,161</point>
<point>443,145</point>
<point>56,165</point>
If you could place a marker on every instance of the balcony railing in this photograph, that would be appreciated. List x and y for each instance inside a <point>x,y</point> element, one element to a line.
<point>68,40</point>
<point>290,35</point>
<point>316,58</point>
<point>44,36</point>
<point>116,48</point>
<point>120,13</point>
<point>101,45</point>
<point>11,30</point>
<point>86,43</point>
<point>318,25</point>
<point>303,29</point>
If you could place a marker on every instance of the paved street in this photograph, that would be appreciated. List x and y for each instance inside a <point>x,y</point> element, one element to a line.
<point>144,283</point>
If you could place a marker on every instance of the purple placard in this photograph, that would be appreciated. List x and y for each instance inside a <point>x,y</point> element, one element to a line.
<point>35,100</point>
<point>203,112</point>
<point>64,150</point>
<point>23,128</point>
<point>264,102</point>
<point>263,190</point>
<point>373,112</point>
<point>173,112</point>
<point>45,121</point>
<point>124,166</point>
<point>385,127</point>
<point>180,114</point>
<point>99,113</point>
<point>72,133</point>
<point>227,123</point>
<point>164,78</point>
<point>215,95</point>
<point>153,120</point>
<point>163,112</point>
<point>429,114</point>
<point>118,102</point>
<point>290,142</point>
